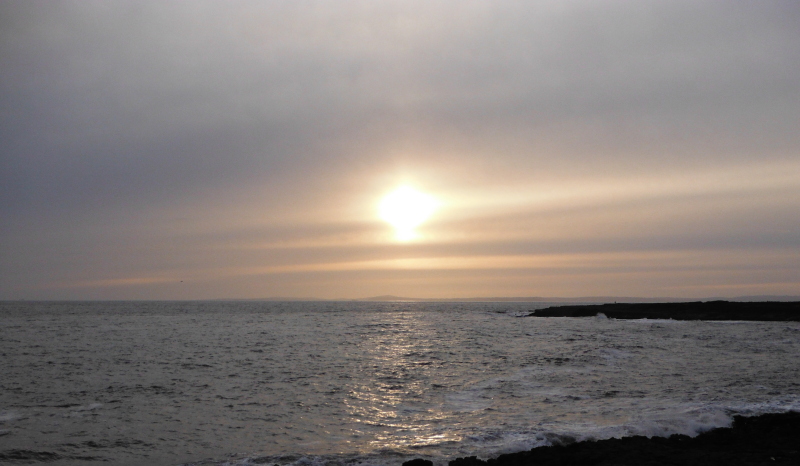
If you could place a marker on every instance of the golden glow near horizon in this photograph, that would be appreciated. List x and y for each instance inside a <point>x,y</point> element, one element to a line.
<point>405,209</point>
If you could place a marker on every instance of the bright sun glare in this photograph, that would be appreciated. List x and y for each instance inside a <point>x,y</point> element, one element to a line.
<point>405,209</point>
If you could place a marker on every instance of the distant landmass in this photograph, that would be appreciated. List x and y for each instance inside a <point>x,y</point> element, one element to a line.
<point>531,299</point>
<point>582,299</point>
<point>494,299</point>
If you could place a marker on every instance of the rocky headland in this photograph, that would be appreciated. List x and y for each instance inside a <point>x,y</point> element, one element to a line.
<point>708,310</point>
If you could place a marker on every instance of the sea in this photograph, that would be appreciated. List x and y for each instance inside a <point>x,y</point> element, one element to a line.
<point>364,383</point>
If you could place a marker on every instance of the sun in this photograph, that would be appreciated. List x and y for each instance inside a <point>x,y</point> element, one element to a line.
<point>405,209</point>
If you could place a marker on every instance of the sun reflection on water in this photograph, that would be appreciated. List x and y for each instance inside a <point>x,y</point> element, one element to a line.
<point>402,364</point>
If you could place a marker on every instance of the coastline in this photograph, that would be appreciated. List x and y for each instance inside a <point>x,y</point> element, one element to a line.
<point>708,310</point>
<point>764,439</point>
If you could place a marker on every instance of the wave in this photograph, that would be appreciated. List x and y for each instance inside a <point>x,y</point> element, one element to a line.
<point>690,420</point>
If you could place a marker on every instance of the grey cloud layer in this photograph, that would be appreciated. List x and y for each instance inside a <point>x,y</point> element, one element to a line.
<point>131,105</point>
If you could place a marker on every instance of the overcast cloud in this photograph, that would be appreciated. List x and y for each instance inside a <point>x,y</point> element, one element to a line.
<point>238,149</point>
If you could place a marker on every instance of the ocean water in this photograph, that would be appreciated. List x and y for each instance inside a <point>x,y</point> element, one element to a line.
<point>328,383</point>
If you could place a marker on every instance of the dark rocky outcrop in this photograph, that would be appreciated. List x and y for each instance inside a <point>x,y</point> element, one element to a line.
<point>709,310</point>
<point>418,462</point>
<point>769,439</point>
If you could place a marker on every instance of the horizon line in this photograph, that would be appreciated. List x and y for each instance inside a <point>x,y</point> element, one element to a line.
<point>394,298</point>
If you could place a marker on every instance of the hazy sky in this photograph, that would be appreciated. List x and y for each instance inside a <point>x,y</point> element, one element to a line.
<point>193,149</point>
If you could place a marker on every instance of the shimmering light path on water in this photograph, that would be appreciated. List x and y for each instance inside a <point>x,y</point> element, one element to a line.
<point>170,383</point>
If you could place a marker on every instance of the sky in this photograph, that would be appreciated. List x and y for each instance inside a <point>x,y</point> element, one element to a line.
<point>213,150</point>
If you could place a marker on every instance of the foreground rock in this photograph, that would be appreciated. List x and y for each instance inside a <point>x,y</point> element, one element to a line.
<point>769,439</point>
<point>710,310</point>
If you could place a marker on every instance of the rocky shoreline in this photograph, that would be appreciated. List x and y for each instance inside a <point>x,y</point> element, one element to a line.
<point>709,310</point>
<point>768,439</point>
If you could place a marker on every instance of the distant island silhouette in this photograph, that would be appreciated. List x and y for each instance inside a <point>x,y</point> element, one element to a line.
<point>582,299</point>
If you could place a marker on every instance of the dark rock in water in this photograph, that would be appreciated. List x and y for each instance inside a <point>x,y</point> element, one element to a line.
<point>469,461</point>
<point>709,310</point>
<point>418,462</point>
<point>769,439</point>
